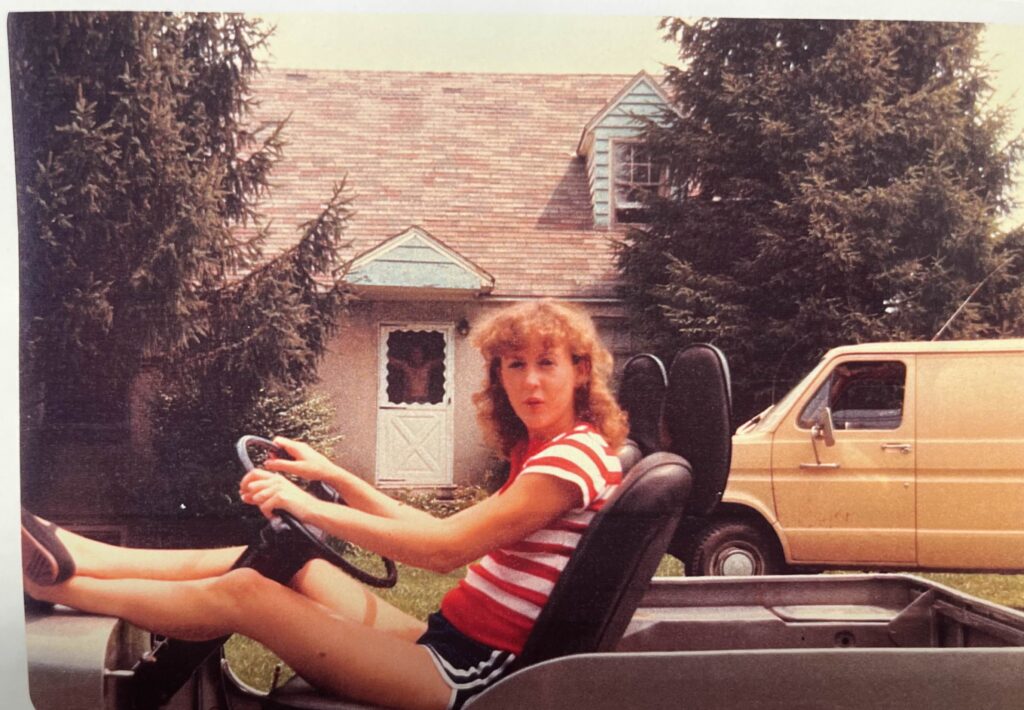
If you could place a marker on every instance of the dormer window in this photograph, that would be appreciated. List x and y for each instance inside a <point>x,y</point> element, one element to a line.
<point>637,173</point>
<point>621,169</point>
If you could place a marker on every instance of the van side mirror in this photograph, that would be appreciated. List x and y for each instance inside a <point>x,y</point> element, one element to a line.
<point>825,429</point>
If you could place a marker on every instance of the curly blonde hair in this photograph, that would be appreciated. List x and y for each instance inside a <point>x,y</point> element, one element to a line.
<point>554,323</point>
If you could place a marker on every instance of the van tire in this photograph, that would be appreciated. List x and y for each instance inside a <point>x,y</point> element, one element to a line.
<point>734,548</point>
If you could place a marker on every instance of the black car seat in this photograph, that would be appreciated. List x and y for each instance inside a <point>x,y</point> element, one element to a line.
<point>598,591</point>
<point>687,411</point>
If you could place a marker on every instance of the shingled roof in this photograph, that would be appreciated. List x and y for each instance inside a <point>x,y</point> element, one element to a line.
<point>483,163</point>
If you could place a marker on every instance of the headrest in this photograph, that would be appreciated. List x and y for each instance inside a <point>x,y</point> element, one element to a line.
<point>641,394</point>
<point>698,409</point>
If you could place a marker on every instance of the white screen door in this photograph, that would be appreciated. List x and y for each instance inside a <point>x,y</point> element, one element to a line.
<point>414,412</point>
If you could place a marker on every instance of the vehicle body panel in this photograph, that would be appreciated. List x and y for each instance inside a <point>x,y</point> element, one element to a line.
<point>937,483</point>
<point>837,641</point>
<point>750,482</point>
<point>852,502</point>
<point>970,468</point>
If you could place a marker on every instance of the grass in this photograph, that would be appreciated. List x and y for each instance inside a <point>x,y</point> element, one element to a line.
<point>419,593</point>
<point>1006,589</point>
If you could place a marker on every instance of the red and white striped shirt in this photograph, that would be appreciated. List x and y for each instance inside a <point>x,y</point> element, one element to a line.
<point>501,596</point>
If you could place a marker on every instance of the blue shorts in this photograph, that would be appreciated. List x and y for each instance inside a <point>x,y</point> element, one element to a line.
<point>467,666</point>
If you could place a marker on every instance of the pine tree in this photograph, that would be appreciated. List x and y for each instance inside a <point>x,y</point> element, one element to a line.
<point>139,180</point>
<point>831,182</point>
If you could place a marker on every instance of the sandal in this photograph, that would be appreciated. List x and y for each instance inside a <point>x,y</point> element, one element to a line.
<point>44,559</point>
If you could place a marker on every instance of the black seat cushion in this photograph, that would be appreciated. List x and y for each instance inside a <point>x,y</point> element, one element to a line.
<point>297,694</point>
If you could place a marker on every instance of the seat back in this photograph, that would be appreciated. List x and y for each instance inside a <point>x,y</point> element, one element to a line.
<point>641,396</point>
<point>611,568</point>
<point>697,414</point>
<point>629,455</point>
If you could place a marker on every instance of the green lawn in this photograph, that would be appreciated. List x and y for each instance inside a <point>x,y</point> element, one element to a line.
<point>1006,589</point>
<point>419,593</point>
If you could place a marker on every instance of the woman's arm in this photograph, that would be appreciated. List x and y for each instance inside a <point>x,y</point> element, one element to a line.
<point>438,544</point>
<point>357,493</point>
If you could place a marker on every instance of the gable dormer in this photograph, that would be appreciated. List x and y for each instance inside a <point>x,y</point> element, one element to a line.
<point>618,167</point>
<point>416,261</point>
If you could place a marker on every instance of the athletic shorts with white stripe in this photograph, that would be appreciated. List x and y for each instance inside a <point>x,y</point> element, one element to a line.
<point>467,666</point>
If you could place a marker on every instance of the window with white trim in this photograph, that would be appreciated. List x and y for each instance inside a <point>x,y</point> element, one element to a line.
<point>636,173</point>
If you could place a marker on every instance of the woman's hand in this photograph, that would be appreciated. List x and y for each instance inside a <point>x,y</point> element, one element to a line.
<point>269,491</point>
<point>309,463</point>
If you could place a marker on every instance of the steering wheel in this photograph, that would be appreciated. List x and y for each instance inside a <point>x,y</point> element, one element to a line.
<point>312,535</point>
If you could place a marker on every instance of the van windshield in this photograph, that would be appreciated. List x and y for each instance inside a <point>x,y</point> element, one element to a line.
<point>770,417</point>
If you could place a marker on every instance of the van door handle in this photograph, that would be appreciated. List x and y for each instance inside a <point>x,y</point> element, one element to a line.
<point>902,448</point>
<point>819,465</point>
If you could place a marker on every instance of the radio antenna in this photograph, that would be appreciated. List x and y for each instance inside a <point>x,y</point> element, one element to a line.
<point>971,295</point>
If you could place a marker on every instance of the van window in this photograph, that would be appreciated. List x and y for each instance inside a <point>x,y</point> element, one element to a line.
<point>861,394</point>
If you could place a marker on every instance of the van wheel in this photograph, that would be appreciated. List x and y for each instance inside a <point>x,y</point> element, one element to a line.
<point>732,548</point>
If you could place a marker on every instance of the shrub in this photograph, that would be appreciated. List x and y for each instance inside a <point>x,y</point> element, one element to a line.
<point>194,443</point>
<point>440,504</point>
<point>495,474</point>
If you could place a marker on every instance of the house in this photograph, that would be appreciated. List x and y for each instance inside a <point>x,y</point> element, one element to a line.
<point>470,191</point>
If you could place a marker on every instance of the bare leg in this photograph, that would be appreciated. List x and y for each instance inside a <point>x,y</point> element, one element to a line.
<point>318,580</point>
<point>332,652</point>
<point>323,582</point>
<point>98,559</point>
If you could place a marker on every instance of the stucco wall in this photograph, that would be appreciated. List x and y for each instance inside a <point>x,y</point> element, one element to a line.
<point>350,370</point>
<point>349,376</point>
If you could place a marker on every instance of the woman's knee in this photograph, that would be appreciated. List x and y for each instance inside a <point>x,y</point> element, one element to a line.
<point>240,590</point>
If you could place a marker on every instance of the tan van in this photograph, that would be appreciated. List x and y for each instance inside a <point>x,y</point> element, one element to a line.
<point>886,455</point>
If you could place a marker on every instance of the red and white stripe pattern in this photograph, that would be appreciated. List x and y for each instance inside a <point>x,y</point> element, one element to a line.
<point>501,596</point>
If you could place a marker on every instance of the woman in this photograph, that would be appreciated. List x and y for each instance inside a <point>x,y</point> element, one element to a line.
<point>545,405</point>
